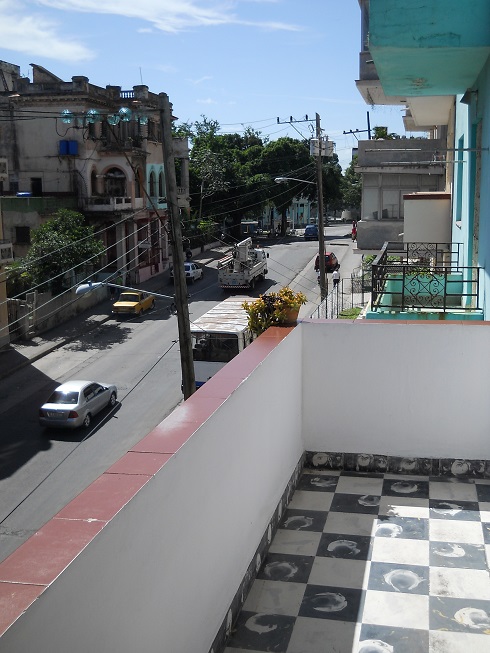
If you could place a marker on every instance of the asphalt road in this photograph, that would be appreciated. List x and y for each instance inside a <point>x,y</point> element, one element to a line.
<point>41,471</point>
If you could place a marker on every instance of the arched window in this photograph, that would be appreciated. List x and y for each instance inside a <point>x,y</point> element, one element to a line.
<point>115,183</point>
<point>161,185</point>
<point>137,182</point>
<point>93,183</point>
<point>152,184</point>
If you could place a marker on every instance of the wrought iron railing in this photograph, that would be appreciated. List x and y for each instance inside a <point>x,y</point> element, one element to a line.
<point>423,276</point>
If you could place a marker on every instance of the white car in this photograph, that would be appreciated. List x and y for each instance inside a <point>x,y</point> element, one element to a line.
<point>193,271</point>
<point>74,404</point>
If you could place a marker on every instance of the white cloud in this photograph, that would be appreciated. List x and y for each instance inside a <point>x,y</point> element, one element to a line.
<point>207,101</point>
<point>200,80</point>
<point>166,68</point>
<point>35,35</point>
<point>167,15</point>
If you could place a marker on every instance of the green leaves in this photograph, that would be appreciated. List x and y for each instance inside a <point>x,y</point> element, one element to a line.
<point>64,242</point>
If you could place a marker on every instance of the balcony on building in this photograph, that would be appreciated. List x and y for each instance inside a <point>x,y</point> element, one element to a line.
<point>112,204</point>
<point>427,60</point>
<point>160,552</point>
<point>424,281</point>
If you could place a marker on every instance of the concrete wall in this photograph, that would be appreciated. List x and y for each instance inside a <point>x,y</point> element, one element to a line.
<point>373,234</point>
<point>427,218</point>
<point>161,574</point>
<point>400,389</point>
<point>30,318</point>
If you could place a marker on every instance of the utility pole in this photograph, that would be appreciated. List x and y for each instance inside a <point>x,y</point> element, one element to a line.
<point>187,365</point>
<point>321,233</point>
<point>361,131</point>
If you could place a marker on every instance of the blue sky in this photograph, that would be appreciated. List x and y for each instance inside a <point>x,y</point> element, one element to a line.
<point>240,62</point>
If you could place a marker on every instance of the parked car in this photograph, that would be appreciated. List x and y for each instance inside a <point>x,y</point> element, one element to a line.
<point>331,262</point>
<point>311,232</point>
<point>74,404</point>
<point>193,271</point>
<point>133,302</point>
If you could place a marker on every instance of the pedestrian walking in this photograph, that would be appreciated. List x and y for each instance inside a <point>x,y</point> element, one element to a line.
<point>354,231</point>
<point>336,278</point>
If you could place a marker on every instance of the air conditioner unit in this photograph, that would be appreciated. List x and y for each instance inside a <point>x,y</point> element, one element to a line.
<point>4,172</point>
<point>6,252</point>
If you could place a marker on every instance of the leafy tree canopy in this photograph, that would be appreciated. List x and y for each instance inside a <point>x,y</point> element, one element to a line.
<point>62,243</point>
<point>232,175</point>
<point>352,186</point>
<point>381,133</point>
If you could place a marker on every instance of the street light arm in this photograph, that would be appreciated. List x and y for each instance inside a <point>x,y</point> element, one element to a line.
<point>281,180</point>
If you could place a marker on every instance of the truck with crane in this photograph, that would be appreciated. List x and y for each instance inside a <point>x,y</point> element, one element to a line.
<point>243,266</point>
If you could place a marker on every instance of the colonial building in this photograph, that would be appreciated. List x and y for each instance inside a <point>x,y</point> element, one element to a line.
<point>62,142</point>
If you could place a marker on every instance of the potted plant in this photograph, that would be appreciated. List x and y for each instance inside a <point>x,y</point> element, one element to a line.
<point>275,309</point>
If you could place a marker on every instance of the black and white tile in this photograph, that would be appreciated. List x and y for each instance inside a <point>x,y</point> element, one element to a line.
<point>375,562</point>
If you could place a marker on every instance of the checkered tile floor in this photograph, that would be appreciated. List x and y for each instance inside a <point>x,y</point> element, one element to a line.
<point>374,563</point>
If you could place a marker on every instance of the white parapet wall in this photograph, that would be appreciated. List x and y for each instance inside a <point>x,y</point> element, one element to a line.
<point>398,389</point>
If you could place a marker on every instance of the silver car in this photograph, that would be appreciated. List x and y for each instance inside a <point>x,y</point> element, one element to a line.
<point>74,404</point>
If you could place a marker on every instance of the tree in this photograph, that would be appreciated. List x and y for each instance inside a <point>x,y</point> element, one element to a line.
<point>332,184</point>
<point>352,186</point>
<point>288,157</point>
<point>225,186</point>
<point>381,133</point>
<point>63,243</point>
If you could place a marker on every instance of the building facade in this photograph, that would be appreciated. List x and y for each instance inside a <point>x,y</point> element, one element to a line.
<point>101,146</point>
<point>433,58</point>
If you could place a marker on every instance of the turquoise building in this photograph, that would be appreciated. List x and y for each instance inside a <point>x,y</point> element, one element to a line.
<point>434,56</point>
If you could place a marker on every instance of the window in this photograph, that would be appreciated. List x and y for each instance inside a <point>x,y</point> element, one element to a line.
<point>161,185</point>
<point>115,183</point>
<point>152,184</point>
<point>22,235</point>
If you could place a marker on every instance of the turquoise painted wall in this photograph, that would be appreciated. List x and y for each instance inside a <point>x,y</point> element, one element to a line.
<point>468,119</point>
<point>482,115</point>
<point>429,47</point>
<point>435,23</point>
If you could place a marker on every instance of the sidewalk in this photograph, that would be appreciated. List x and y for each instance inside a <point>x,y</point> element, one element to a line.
<point>24,352</point>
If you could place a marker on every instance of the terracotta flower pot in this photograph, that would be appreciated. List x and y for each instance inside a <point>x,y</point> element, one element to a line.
<point>291,316</point>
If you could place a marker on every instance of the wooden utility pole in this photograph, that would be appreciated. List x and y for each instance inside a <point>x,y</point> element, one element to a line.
<point>185,341</point>
<point>321,233</point>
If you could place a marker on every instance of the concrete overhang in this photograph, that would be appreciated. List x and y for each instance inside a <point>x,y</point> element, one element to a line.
<point>427,112</point>
<point>373,93</point>
<point>426,49</point>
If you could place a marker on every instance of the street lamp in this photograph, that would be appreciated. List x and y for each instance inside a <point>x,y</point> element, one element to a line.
<point>280,180</point>
<point>321,233</point>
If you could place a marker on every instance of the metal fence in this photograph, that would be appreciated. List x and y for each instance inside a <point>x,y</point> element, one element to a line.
<point>350,293</point>
<point>423,275</point>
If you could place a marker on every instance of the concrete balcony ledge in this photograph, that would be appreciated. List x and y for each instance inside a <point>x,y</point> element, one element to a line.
<point>110,204</point>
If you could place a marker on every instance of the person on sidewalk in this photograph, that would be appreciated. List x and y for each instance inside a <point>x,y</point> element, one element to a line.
<point>336,278</point>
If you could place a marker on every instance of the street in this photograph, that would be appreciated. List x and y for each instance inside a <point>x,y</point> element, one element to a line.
<point>41,471</point>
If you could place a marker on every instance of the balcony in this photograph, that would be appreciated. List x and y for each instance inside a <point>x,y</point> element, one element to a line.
<point>160,552</point>
<point>436,48</point>
<point>111,204</point>
<point>424,281</point>
<point>6,252</point>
